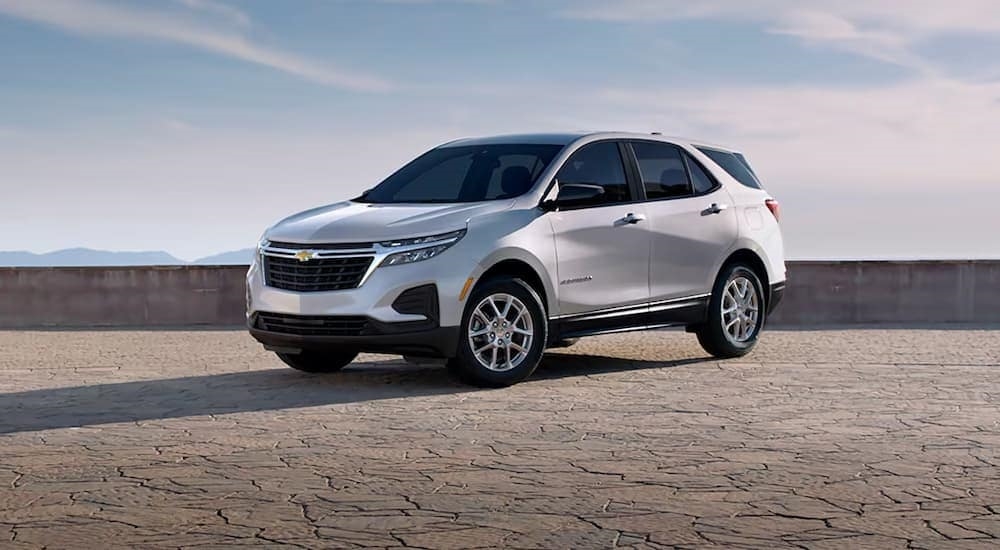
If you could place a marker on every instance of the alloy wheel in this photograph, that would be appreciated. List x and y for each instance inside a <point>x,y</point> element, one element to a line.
<point>740,309</point>
<point>500,332</point>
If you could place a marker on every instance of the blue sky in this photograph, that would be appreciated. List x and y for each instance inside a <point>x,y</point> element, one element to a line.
<point>190,125</point>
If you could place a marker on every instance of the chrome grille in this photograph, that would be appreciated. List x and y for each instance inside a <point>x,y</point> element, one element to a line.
<point>322,246</point>
<point>315,275</point>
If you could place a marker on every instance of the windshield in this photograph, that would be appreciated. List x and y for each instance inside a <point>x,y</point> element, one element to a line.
<point>469,173</point>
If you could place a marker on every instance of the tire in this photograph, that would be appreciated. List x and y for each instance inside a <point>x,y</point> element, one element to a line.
<point>515,357</point>
<point>739,338</point>
<point>315,361</point>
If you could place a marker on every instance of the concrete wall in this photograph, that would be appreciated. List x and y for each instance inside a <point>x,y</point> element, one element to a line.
<point>891,292</point>
<point>122,296</point>
<point>819,293</point>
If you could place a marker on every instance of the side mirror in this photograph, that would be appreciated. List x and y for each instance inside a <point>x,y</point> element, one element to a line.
<point>574,194</point>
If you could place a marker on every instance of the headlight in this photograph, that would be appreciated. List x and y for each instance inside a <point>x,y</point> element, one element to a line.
<point>436,244</point>
<point>451,237</point>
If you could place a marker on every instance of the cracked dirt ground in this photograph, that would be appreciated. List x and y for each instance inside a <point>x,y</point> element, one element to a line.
<point>832,439</point>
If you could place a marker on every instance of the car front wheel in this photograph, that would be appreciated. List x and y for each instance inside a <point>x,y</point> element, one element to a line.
<point>315,361</point>
<point>735,313</point>
<point>503,334</point>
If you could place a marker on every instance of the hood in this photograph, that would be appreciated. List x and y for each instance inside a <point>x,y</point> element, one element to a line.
<point>350,222</point>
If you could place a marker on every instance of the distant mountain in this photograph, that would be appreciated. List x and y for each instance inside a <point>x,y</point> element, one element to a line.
<point>86,257</point>
<point>77,257</point>
<point>235,257</point>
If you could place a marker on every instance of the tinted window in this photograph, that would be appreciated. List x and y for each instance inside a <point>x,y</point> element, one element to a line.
<point>513,166</point>
<point>701,180</point>
<point>437,183</point>
<point>466,174</point>
<point>735,164</point>
<point>598,164</point>
<point>662,170</point>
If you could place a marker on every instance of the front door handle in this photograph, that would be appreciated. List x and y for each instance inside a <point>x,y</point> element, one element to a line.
<point>714,209</point>
<point>631,218</point>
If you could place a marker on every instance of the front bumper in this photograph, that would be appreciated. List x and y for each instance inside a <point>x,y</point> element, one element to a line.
<point>375,296</point>
<point>421,338</point>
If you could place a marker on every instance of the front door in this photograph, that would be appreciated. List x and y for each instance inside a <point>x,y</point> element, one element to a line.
<point>602,247</point>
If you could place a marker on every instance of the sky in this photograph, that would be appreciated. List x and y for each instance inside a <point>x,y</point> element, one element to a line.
<point>191,125</point>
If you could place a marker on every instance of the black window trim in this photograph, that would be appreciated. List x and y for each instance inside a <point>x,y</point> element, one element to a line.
<point>686,157</point>
<point>638,194</point>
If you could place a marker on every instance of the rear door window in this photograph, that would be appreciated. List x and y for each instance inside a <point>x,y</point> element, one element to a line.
<point>735,164</point>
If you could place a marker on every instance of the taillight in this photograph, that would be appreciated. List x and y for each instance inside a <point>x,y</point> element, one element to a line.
<point>774,207</point>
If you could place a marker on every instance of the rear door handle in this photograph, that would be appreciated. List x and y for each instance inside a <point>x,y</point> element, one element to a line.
<point>631,218</point>
<point>714,209</point>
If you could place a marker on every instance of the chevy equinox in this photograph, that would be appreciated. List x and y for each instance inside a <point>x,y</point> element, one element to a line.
<point>485,252</point>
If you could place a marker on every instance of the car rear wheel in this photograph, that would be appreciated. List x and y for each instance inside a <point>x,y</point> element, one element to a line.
<point>314,361</point>
<point>503,334</point>
<point>735,313</point>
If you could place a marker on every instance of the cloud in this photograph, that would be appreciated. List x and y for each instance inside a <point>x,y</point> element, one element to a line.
<point>100,18</point>
<point>922,16</point>
<point>927,128</point>
<point>173,124</point>
<point>820,28</point>
<point>885,31</point>
<point>921,133</point>
<point>233,15</point>
<point>418,2</point>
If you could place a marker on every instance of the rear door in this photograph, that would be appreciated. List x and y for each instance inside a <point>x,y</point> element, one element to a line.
<point>602,248</point>
<point>691,221</point>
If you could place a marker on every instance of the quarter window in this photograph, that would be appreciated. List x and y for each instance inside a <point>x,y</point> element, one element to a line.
<point>700,179</point>
<point>662,169</point>
<point>598,164</point>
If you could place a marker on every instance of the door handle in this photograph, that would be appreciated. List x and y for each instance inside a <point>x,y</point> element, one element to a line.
<point>631,218</point>
<point>714,209</point>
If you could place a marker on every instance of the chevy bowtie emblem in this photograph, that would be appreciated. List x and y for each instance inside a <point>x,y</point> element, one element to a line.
<point>304,255</point>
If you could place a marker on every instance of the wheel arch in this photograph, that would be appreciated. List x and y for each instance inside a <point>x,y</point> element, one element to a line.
<point>753,260</point>
<point>521,269</point>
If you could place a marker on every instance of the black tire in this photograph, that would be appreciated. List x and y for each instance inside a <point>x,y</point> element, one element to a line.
<point>712,335</point>
<point>315,361</point>
<point>467,368</point>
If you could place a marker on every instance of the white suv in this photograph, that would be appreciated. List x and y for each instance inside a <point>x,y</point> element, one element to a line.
<point>487,251</point>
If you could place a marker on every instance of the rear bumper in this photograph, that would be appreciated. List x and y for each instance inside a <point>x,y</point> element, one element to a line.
<point>420,338</point>
<point>776,294</point>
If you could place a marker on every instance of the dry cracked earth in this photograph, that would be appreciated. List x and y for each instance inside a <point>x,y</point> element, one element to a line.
<point>819,439</point>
